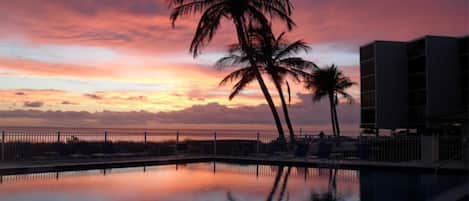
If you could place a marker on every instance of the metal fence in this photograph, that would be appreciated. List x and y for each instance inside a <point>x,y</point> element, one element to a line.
<point>385,148</point>
<point>33,145</point>
<point>450,147</point>
<point>45,145</point>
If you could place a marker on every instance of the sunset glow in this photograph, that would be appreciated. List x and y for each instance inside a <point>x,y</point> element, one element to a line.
<point>124,56</point>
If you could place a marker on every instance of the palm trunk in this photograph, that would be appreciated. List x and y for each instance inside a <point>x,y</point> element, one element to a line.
<point>331,103</point>
<point>285,113</point>
<point>336,120</point>
<point>272,107</point>
<point>242,38</point>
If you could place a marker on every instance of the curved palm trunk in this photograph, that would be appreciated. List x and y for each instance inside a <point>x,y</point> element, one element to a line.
<point>285,113</point>
<point>336,120</point>
<point>242,38</point>
<point>272,107</point>
<point>331,103</point>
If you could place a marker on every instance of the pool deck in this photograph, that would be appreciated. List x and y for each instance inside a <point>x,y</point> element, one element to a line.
<point>21,167</point>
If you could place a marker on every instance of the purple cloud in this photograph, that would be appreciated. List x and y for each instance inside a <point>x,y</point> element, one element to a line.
<point>34,104</point>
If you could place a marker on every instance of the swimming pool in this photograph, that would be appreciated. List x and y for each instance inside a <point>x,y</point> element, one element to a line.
<point>222,181</point>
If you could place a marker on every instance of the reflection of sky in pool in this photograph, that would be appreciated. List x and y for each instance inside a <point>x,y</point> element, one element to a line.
<point>200,182</point>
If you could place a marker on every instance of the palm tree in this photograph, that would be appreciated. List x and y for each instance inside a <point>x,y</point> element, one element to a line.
<point>330,82</point>
<point>240,12</point>
<point>275,57</point>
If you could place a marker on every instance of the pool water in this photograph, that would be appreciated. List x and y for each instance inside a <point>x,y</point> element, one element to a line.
<point>227,182</point>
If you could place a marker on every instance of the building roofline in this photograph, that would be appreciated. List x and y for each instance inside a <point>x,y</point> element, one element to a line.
<point>415,39</point>
<point>381,41</point>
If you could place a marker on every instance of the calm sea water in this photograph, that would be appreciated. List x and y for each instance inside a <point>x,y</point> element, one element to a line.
<point>220,181</point>
<point>132,134</point>
<point>184,133</point>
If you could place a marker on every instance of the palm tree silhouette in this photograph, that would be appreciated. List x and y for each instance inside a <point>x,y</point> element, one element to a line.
<point>240,12</point>
<point>275,57</point>
<point>330,82</point>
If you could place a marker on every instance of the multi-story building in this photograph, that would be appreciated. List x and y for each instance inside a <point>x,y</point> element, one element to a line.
<point>421,84</point>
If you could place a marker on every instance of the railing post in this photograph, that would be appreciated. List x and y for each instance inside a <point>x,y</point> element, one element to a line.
<point>58,143</point>
<point>215,143</point>
<point>58,137</point>
<point>145,142</point>
<point>177,143</point>
<point>257,142</point>
<point>3,145</point>
<point>105,136</point>
<point>105,143</point>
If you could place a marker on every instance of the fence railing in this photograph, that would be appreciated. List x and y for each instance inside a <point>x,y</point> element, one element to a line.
<point>451,147</point>
<point>31,145</point>
<point>396,148</point>
<point>44,145</point>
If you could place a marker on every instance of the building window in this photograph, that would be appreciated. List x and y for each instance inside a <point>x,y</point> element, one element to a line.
<point>368,83</point>
<point>417,65</point>
<point>367,52</point>
<point>464,97</point>
<point>368,99</point>
<point>368,116</point>
<point>417,115</point>
<point>416,48</point>
<point>417,82</point>
<point>464,45</point>
<point>464,62</point>
<point>367,68</point>
<point>418,98</point>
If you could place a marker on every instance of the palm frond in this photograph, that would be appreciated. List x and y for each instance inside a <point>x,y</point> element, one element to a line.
<point>241,84</point>
<point>346,96</point>
<point>293,48</point>
<point>298,63</point>
<point>207,27</point>
<point>184,8</point>
<point>236,75</point>
<point>230,60</point>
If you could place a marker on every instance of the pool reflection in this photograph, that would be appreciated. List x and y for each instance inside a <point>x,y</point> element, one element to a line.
<point>221,181</point>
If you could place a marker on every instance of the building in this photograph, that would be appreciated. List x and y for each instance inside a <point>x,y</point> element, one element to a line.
<point>419,85</point>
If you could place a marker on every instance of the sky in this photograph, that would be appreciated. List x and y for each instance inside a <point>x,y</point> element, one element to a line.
<point>106,63</point>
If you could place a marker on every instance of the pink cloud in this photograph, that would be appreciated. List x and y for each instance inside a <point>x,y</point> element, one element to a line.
<point>39,68</point>
<point>303,113</point>
<point>144,24</point>
<point>361,21</point>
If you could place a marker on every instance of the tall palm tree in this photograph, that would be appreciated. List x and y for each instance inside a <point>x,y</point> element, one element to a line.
<point>330,82</point>
<point>240,12</point>
<point>275,57</point>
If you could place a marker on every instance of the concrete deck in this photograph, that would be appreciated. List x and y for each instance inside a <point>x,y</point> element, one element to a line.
<point>21,167</point>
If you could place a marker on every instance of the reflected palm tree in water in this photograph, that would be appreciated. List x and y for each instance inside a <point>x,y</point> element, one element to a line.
<point>329,195</point>
<point>273,191</point>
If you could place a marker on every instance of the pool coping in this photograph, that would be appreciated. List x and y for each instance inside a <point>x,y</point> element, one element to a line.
<point>25,167</point>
